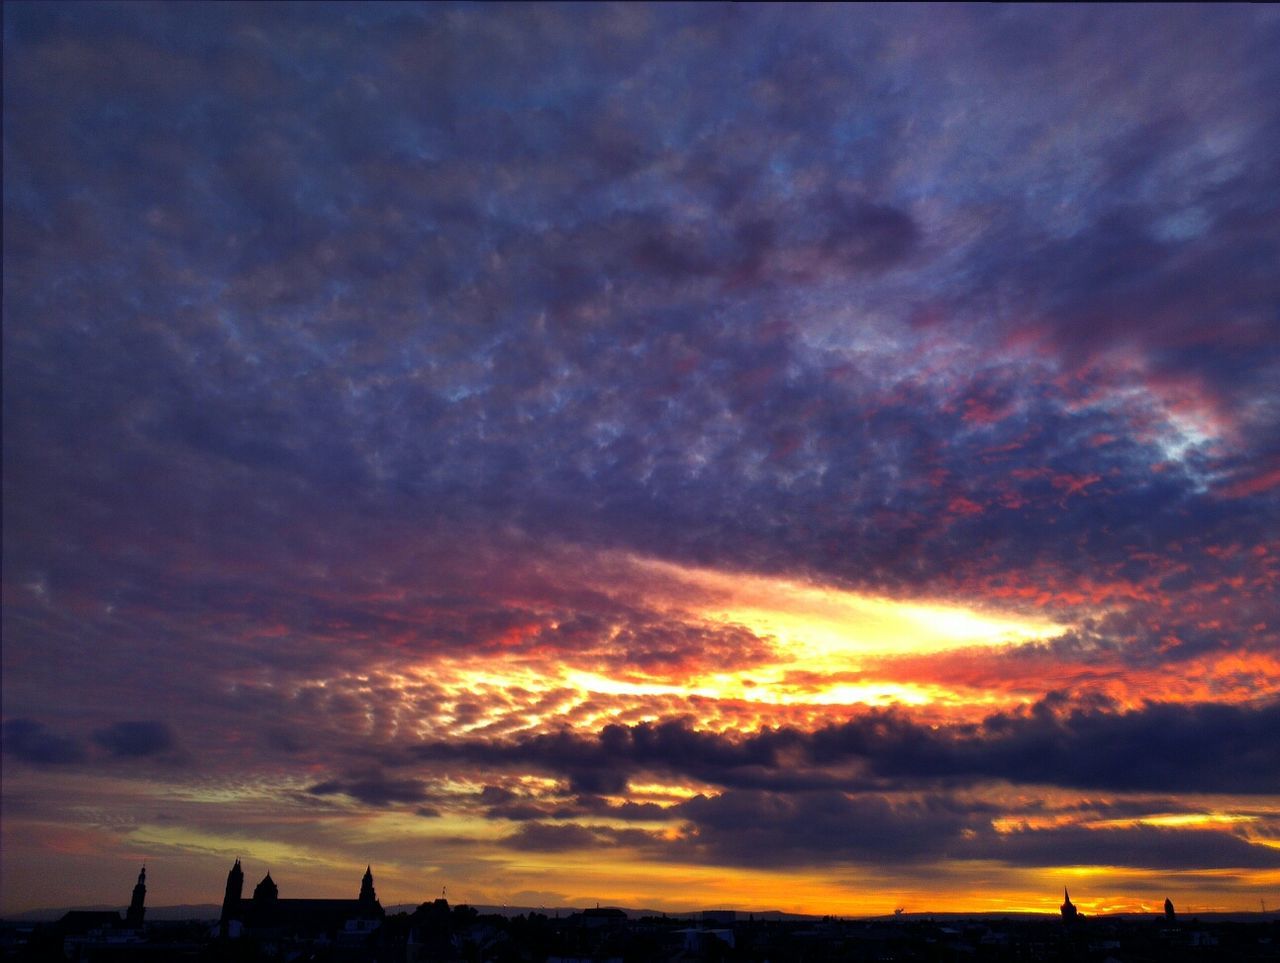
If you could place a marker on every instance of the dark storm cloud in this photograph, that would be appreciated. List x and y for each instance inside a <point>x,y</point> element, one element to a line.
<point>559,837</point>
<point>128,740</point>
<point>761,829</point>
<point>765,829</point>
<point>603,764</point>
<point>1161,747</point>
<point>31,741</point>
<point>1174,748</point>
<point>1141,846</point>
<point>552,837</point>
<point>373,789</point>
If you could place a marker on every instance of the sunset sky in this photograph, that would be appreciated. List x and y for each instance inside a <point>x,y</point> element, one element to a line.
<point>818,458</point>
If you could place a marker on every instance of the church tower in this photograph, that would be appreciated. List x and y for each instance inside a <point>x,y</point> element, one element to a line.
<point>367,896</point>
<point>1069,911</point>
<point>266,893</point>
<point>231,901</point>
<point>133,918</point>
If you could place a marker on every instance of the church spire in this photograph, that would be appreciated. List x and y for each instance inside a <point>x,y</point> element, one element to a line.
<point>1069,911</point>
<point>266,892</point>
<point>367,894</point>
<point>133,918</point>
<point>231,901</point>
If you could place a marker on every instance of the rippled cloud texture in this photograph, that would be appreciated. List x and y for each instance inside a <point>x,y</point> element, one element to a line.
<point>819,458</point>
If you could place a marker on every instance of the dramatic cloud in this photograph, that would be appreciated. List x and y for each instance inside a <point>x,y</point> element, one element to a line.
<point>688,431</point>
<point>1172,748</point>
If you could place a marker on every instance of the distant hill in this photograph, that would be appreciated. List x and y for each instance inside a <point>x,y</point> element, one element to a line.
<point>211,911</point>
<point>562,911</point>
<point>155,914</point>
<point>1242,916</point>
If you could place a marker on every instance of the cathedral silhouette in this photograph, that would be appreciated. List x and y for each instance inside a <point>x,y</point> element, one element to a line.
<point>266,914</point>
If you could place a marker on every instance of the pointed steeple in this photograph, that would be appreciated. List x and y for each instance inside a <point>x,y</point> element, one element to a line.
<point>231,901</point>
<point>1069,912</point>
<point>367,894</point>
<point>133,918</point>
<point>266,891</point>
<point>234,893</point>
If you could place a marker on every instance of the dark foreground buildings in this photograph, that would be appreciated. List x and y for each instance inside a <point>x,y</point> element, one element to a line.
<point>266,928</point>
<point>266,915</point>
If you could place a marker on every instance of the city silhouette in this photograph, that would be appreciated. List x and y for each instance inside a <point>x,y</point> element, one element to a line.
<point>269,926</point>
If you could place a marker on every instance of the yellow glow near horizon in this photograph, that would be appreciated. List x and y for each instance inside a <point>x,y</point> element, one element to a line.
<point>830,623</point>
<point>427,854</point>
